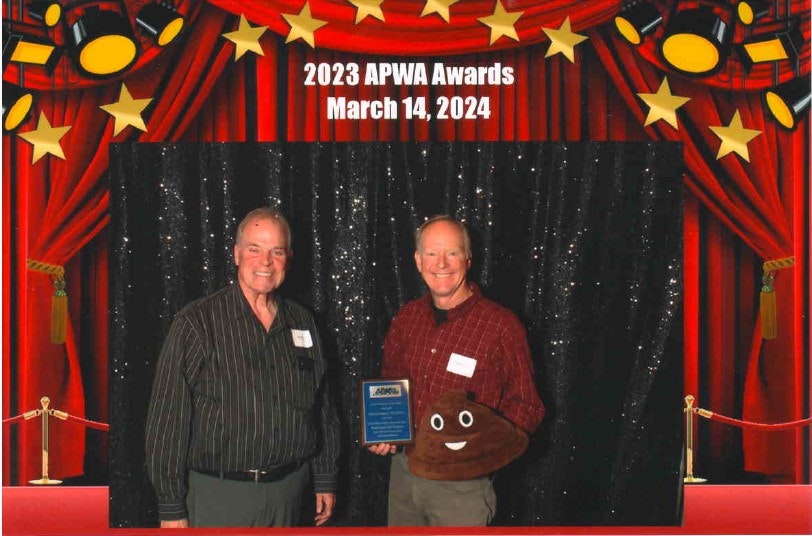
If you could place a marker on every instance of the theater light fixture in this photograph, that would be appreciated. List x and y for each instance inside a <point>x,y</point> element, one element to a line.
<point>17,103</point>
<point>696,41</point>
<point>46,12</point>
<point>784,44</point>
<point>23,44</point>
<point>160,21</point>
<point>100,41</point>
<point>637,20</point>
<point>789,101</point>
<point>749,11</point>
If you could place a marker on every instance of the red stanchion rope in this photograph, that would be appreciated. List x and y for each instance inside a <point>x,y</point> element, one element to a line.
<point>753,425</point>
<point>89,424</point>
<point>12,420</point>
<point>62,416</point>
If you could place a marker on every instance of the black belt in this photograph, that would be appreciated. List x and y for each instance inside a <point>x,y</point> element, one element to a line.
<point>255,475</point>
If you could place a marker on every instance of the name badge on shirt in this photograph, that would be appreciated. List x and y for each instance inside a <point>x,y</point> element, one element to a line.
<point>459,364</point>
<point>301,338</point>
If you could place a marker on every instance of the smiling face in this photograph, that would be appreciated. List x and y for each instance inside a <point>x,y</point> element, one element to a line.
<point>443,261</point>
<point>459,439</point>
<point>453,426</point>
<point>261,256</point>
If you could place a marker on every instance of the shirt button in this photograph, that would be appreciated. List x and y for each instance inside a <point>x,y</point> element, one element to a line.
<point>434,350</point>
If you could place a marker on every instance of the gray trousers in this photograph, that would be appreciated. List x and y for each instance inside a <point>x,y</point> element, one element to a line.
<point>215,502</point>
<point>416,501</point>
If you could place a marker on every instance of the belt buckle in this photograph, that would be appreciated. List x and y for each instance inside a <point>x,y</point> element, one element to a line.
<point>256,472</point>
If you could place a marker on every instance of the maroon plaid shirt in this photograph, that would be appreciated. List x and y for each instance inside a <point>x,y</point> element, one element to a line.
<point>418,349</point>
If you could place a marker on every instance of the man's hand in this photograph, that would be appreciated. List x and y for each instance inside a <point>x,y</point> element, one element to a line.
<point>382,449</point>
<point>175,524</point>
<point>324,507</point>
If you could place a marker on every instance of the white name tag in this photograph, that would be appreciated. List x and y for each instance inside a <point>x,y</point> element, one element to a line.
<point>459,364</point>
<point>302,338</point>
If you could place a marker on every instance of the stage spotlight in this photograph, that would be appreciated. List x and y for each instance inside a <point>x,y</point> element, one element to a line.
<point>788,101</point>
<point>637,20</point>
<point>46,12</point>
<point>17,103</point>
<point>23,44</point>
<point>696,41</point>
<point>101,42</point>
<point>749,11</point>
<point>784,44</point>
<point>161,22</point>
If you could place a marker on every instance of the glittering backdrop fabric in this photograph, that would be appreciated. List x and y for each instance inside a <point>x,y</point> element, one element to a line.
<point>582,240</point>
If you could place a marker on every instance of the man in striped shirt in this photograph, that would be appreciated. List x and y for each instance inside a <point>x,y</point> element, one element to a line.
<point>239,418</point>
<point>454,339</point>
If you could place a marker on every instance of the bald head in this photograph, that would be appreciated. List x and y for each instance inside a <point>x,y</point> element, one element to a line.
<point>447,220</point>
<point>266,214</point>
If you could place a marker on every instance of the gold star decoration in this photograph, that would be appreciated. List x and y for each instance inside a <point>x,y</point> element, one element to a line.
<point>662,105</point>
<point>501,23</point>
<point>440,7</point>
<point>127,111</point>
<point>45,139</point>
<point>367,8</point>
<point>303,26</point>
<point>246,38</point>
<point>734,138</point>
<point>563,40</point>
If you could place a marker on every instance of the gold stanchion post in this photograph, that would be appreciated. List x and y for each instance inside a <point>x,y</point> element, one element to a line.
<point>689,443</point>
<point>45,412</point>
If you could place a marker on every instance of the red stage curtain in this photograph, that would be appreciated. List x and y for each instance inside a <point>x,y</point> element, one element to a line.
<point>59,206</point>
<point>405,32</point>
<point>759,202</point>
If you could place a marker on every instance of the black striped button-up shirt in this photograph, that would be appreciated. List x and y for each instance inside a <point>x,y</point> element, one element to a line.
<point>229,396</point>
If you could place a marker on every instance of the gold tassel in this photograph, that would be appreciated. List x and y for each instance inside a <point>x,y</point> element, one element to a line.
<point>59,312</point>
<point>59,301</point>
<point>767,307</point>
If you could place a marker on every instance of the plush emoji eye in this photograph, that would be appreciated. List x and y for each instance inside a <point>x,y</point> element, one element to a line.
<point>466,419</point>
<point>437,421</point>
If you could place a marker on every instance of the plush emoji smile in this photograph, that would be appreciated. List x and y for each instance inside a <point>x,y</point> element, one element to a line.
<point>456,446</point>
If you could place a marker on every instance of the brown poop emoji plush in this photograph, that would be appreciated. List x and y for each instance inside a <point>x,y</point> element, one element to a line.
<point>459,439</point>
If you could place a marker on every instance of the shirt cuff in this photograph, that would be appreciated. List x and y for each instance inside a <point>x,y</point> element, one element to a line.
<point>324,483</point>
<point>171,510</point>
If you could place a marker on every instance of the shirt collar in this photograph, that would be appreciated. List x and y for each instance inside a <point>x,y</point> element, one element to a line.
<point>461,309</point>
<point>240,308</point>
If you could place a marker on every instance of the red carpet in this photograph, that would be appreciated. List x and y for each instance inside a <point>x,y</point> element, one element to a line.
<point>708,510</point>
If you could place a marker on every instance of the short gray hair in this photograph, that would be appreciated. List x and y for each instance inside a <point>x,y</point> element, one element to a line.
<point>466,238</point>
<point>267,213</point>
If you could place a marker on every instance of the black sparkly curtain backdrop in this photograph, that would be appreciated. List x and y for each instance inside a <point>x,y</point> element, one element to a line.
<point>582,240</point>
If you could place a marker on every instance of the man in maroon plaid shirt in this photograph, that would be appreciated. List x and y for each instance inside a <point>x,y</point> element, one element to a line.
<point>454,339</point>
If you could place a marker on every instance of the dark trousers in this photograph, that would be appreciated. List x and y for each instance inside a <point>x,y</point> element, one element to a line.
<point>215,502</point>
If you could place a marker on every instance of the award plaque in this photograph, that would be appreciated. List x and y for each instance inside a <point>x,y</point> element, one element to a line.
<point>386,412</point>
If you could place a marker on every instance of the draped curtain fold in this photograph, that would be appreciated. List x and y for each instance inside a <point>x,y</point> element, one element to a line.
<point>60,206</point>
<point>756,201</point>
<point>405,33</point>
